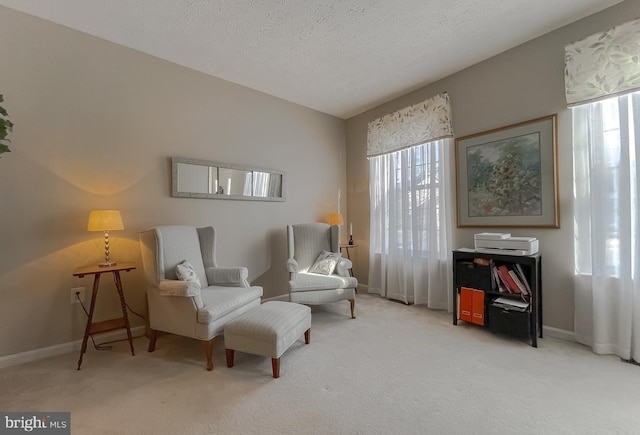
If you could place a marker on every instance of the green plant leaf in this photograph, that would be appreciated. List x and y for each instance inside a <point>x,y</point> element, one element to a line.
<point>5,127</point>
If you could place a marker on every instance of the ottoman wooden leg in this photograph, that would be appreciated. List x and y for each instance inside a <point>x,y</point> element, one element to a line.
<point>275,365</point>
<point>230,354</point>
<point>153,336</point>
<point>307,336</point>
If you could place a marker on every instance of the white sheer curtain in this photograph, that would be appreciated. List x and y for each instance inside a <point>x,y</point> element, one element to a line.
<point>410,239</point>
<point>607,225</point>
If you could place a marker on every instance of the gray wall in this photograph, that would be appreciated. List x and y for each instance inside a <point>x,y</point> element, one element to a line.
<point>95,126</point>
<point>524,83</point>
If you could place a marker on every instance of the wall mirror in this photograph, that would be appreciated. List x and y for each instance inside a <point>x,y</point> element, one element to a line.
<point>208,179</point>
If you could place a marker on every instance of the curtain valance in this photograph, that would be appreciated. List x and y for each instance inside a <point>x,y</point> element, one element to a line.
<point>427,121</point>
<point>603,65</point>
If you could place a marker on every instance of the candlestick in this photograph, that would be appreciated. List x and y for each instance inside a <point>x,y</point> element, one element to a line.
<point>351,229</point>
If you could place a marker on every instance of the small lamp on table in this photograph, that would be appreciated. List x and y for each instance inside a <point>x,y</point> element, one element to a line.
<point>105,220</point>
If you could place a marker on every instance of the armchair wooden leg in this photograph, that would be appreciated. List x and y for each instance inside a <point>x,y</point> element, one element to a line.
<point>208,350</point>
<point>353,305</point>
<point>153,336</point>
<point>275,366</point>
<point>307,336</point>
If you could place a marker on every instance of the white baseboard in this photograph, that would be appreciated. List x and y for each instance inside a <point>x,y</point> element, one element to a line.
<point>561,334</point>
<point>363,288</point>
<point>59,349</point>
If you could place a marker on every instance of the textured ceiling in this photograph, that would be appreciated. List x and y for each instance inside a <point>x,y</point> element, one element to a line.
<point>341,57</point>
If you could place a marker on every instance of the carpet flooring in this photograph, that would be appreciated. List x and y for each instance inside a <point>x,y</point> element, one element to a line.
<point>396,369</point>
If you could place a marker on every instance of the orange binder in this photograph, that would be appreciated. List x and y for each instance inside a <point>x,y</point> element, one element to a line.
<point>478,307</point>
<point>472,305</point>
<point>466,304</point>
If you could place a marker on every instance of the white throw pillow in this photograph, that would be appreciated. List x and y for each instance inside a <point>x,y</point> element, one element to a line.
<point>326,263</point>
<point>186,272</point>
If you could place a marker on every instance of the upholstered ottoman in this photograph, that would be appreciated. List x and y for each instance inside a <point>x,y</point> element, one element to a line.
<point>268,330</point>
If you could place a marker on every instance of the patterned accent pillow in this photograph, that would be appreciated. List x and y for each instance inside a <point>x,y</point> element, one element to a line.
<point>326,263</point>
<point>186,272</point>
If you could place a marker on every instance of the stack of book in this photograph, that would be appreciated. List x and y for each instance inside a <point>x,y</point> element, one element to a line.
<point>510,279</point>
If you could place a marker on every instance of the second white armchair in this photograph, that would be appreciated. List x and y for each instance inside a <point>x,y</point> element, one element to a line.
<point>306,243</point>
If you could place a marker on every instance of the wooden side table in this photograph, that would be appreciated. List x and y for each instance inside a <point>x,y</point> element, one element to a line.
<point>106,325</point>
<point>346,247</point>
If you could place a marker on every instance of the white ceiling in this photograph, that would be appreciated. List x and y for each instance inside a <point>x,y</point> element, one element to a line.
<point>340,57</point>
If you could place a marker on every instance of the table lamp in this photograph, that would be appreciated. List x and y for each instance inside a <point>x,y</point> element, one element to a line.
<point>105,220</point>
<point>336,219</point>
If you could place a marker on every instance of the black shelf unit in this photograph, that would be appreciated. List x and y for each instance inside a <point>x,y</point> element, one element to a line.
<point>468,274</point>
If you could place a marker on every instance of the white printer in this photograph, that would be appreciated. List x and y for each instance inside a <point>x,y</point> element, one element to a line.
<point>503,243</point>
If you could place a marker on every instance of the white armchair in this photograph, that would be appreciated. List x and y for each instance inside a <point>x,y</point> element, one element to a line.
<point>183,307</point>
<point>305,243</point>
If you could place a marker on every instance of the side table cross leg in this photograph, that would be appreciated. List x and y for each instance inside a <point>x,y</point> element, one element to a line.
<point>106,325</point>
<point>123,304</point>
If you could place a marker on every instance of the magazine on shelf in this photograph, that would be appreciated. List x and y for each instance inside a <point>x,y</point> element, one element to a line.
<point>510,304</point>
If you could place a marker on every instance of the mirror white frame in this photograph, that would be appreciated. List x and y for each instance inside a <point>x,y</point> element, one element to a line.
<point>194,178</point>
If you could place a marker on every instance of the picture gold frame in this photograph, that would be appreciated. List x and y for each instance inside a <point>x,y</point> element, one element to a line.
<point>508,177</point>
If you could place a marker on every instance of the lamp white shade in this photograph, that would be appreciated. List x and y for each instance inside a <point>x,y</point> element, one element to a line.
<point>336,219</point>
<point>105,220</point>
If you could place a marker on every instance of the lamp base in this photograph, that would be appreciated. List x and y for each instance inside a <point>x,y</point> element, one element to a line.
<point>108,264</point>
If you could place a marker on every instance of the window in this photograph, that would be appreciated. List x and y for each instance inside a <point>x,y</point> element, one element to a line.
<point>605,183</point>
<point>606,141</point>
<point>410,218</point>
<point>407,198</point>
<point>409,201</point>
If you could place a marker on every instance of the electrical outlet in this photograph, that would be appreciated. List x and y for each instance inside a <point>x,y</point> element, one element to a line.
<point>80,294</point>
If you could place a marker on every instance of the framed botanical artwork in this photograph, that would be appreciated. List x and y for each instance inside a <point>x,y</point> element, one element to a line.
<point>508,177</point>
